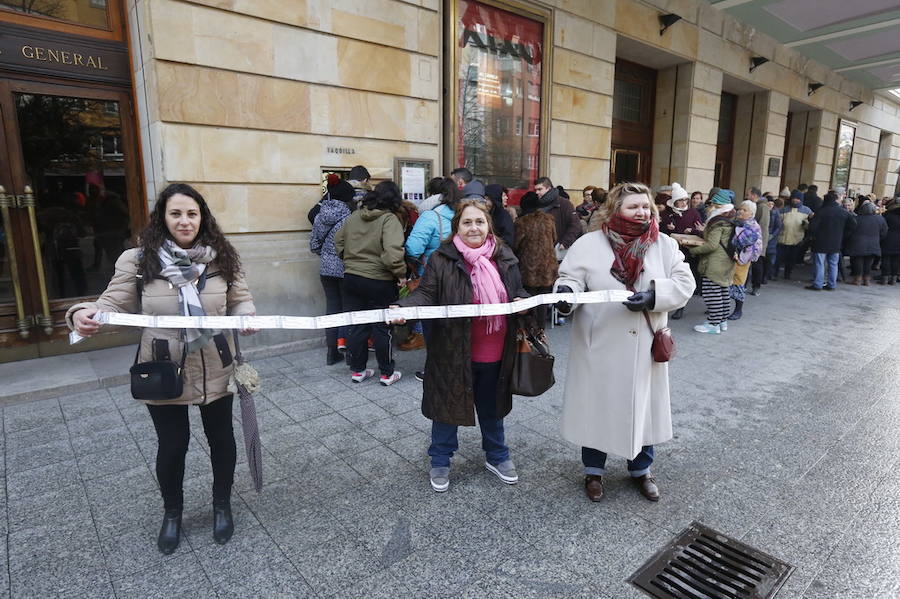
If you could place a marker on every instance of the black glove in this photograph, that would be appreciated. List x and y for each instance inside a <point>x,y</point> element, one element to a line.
<point>642,300</point>
<point>563,307</point>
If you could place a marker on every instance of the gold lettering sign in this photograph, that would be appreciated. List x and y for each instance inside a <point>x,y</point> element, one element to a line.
<point>63,57</point>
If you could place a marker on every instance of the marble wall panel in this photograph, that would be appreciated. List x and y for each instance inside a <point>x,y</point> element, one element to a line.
<point>640,22</point>
<point>583,72</point>
<point>221,155</point>
<point>586,141</point>
<point>578,173</point>
<point>581,106</point>
<point>208,37</point>
<point>243,208</point>
<point>387,22</point>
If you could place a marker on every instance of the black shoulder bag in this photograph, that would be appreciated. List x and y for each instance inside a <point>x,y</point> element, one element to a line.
<point>157,379</point>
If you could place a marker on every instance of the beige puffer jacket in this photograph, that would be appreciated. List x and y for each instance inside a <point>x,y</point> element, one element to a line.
<point>206,372</point>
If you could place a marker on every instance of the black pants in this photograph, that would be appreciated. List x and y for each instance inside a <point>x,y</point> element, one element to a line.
<point>173,434</point>
<point>787,256</point>
<point>757,272</point>
<point>334,304</point>
<point>890,266</point>
<point>361,293</point>
<point>861,265</point>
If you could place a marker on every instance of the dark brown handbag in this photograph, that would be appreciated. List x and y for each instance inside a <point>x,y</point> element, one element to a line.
<point>532,372</point>
<point>663,348</point>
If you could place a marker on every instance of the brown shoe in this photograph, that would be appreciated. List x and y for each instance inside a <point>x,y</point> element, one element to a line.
<point>647,486</point>
<point>593,486</point>
<point>866,281</point>
<point>414,341</point>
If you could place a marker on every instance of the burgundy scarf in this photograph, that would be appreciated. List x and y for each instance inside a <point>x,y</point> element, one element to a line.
<point>630,240</point>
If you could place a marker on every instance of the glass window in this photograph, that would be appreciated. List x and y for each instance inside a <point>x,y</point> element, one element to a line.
<point>843,153</point>
<point>499,81</point>
<point>93,13</point>
<point>627,96</point>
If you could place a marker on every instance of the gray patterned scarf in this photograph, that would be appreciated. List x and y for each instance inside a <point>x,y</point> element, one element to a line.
<point>182,268</point>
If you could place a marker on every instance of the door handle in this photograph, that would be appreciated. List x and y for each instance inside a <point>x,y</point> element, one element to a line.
<point>26,200</point>
<point>23,323</point>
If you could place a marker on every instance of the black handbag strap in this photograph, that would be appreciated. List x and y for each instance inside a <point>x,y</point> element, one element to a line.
<point>139,282</point>
<point>238,356</point>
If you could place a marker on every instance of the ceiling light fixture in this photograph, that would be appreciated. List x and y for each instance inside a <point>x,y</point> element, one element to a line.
<point>813,87</point>
<point>756,61</point>
<point>854,104</point>
<point>667,20</point>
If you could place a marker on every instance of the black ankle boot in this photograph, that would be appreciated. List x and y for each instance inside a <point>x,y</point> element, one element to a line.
<point>169,532</point>
<point>738,310</point>
<point>677,314</point>
<point>333,357</point>
<point>223,523</point>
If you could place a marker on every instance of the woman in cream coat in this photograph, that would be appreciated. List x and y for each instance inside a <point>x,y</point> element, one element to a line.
<point>629,413</point>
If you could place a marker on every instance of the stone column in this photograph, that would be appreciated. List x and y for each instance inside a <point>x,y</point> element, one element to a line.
<point>864,159</point>
<point>757,140</point>
<point>887,165</point>
<point>687,119</point>
<point>818,150</point>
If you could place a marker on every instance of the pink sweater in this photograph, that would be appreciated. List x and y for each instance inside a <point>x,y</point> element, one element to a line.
<point>485,347</point>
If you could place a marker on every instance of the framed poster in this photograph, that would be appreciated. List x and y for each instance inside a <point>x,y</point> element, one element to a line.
<point>774,169</point>
<point>412,175</point>
<point>498,100</point>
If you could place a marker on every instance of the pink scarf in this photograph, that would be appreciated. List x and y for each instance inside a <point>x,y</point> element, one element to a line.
<point>487,288</point>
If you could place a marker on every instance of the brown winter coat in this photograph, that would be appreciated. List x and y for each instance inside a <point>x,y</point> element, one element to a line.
<point>206,371</point>
<point>535,240</point>
<point>448,395</point>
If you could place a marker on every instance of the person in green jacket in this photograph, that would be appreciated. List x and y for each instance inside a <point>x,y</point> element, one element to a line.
<point>371,245</point>
<point>716,267</point>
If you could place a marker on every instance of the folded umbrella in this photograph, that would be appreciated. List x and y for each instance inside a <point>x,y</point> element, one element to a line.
<point>246,380</point>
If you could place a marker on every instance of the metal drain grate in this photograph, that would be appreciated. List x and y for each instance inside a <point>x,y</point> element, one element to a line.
<point>704,564</point>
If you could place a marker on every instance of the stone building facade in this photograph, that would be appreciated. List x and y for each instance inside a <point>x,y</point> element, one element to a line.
<point>253,100</point>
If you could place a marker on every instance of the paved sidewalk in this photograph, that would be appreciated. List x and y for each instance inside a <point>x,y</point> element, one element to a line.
<point>786,436</point>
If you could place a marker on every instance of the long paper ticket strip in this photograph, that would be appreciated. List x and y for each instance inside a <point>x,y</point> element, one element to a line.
<point>352,318</point>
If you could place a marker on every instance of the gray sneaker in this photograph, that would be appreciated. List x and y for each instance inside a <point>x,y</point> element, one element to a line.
<point>505,471</point>
<point>440,479</point>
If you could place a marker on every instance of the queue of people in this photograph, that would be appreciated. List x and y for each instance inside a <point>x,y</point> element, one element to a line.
<point>465,244</point>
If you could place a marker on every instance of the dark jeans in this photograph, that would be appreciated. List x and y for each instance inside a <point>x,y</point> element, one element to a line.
<point>361,293</point>
<point>861,265</point>
<point>769,270</point>
<point>757,272</point>
<point>890,266</point>
<point>334,304</point>
<point>444,442</point>
<point>173,434</point>
<point>787,256</point>
<point>594,461</point>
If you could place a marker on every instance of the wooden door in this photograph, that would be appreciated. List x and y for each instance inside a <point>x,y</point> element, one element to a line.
<point>634,98</point>
<point>72,204</point>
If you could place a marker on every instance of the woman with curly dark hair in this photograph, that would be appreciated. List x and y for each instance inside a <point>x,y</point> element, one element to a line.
<point>371,246</point>
<point>184,267</point>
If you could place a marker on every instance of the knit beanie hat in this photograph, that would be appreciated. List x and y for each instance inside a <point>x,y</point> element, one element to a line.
<point>796,195</point>
<point>785,193</point>
<point>339,189</point>
<point>678,192</point>
<point>723,196</point>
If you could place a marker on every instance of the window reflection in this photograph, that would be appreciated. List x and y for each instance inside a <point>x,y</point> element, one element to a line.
<point>93,13</point>
<point>499,72</point>
<point>75,163</point>
<point>843,155</point>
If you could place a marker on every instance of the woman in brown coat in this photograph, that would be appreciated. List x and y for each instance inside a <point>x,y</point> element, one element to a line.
<point>469,361</point>
<point>184,266</point>
<point>535,240</point>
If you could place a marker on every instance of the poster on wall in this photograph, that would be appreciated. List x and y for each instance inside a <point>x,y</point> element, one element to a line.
<point>412,182</point>
<point>498,108</point>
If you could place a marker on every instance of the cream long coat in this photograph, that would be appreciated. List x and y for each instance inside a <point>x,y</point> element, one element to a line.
<point>616,396</point>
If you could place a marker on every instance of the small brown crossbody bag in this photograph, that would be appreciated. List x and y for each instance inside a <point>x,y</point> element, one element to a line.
<point>663,348</point>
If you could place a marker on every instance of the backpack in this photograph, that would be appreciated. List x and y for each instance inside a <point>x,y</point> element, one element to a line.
<point>731,247</point>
